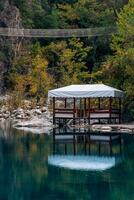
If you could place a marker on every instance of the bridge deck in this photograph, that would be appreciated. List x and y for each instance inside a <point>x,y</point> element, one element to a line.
<point>57,33</point>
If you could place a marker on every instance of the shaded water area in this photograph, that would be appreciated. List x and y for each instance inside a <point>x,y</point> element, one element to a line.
<point>27,171</point>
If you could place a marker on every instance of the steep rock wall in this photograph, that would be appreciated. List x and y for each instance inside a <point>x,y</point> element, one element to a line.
<point>9,47</point>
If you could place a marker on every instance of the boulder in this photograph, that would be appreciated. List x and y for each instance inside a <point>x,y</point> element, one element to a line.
<point>20,110</point>
<point>12,115</point>
<point>4,109</point>
<point>106,129</point>
<point>43,109</point>
<point>2,120</point>
<point>20,117</point>
<point>38,112</point>
<point>28,113</point>
<point>14,111</point>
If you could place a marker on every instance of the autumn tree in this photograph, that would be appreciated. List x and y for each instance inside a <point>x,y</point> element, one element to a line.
<point>67,61</point>
<point>29,74</point>
<point>119,68</point>
<point>40,79</point>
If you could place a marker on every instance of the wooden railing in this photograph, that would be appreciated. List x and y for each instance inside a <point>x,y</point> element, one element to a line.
<point>85,113</point>
<point>64,111</point>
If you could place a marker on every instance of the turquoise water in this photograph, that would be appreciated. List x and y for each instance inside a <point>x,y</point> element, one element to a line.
<point>26,175</point>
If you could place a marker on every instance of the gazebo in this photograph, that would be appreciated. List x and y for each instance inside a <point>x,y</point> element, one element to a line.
<point>86,102</point>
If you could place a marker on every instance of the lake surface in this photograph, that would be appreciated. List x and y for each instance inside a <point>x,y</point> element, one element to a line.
<point>26,175</point>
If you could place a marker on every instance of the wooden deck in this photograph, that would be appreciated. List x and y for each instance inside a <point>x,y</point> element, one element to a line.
<point>87,109</point>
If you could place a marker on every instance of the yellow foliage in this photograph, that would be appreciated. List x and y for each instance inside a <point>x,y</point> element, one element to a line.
<point>41,81</point>
<point>68,11</point>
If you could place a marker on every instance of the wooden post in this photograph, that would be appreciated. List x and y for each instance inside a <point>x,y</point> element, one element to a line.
<point>53,110</point>
<point>80,108</point>
<point>120,110</point>
<point>85,107</point>
<point>110,108</point>
<point>99,105</point>
<point>65,102</point>
<point>74,112</point>
<point>89,109</point>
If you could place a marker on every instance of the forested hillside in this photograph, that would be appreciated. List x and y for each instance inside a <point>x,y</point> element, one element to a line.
<point>32,66</point>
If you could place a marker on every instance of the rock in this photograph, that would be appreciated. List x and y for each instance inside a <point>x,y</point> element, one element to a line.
<point>2,120</point>
<point>14,111</point>
<point>125,130</point>
<point>4,98</point>
<point>106,129</point>
<point>37,107</point>
<point>28,113</point>
<point>43,109</point>
<point>7,112</point>
<point>36,130</point>
<point>38,112</point>
<point>20,110</point>
<point>4,109</point>
<point>5,116</point>
<point>20,117</point>
<point>96,127</point>
<point>12,115</point>
<point>34,122</point>
<point>27,102</point>
<point>15,121</point>
<point>28,107</point>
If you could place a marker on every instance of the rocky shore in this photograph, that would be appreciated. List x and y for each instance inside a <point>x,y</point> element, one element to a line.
<point>37,119</point>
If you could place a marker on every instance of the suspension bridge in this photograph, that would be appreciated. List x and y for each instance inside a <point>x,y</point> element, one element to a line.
<point>57,33</point>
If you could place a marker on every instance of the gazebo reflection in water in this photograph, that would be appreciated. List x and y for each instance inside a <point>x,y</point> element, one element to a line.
<point>85,150</point>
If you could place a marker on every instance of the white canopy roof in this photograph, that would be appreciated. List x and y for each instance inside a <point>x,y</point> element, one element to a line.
<point>81,162</point>
<point>88,90</point>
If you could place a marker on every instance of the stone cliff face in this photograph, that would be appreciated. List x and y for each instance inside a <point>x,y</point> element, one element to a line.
<point>9,47</point>
<point>10,16</point>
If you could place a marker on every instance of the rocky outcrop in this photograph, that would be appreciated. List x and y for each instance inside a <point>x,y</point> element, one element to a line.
<point>36,120</point>
<point>12,46</point>
<point>24,114</point>
<point>10,16</point>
